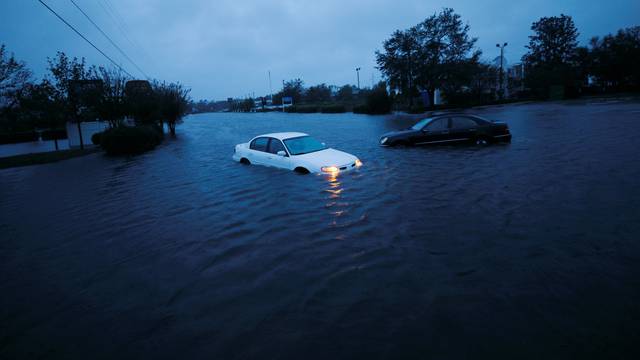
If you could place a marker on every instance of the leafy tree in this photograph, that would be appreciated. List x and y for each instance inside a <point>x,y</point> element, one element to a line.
<point>551,59</point>
<point>582,64</point>
<point>479,85</point>
<point>484,79</point>
<point>295,89</point>
<point>554,41</point>
<point>446,52</point>
<point>399,61</point>
<point>112,105</point>
<point>141,102</point>
<point>173,100</point>
<point>244,105</point>
<point>64,72</point>
<point>318,93</point>
<point>40,107</point>
<point>614,59</point>
<point>378,100</point>
<point>203,106</point>
<point>345,93</point>
<point>433,54</point>
<point>14,77</point>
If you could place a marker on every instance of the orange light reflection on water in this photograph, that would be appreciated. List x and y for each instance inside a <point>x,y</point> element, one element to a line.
<point>338,209</point>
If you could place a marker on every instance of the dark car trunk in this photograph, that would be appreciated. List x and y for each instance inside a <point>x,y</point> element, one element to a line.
<point>500,128</point>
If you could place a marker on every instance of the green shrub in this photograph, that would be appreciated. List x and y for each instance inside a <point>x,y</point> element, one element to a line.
<point>96,138</point>
<point>361,109</point>
<point>126,140</point>
<point>333,109</point>
<point>305,109</point>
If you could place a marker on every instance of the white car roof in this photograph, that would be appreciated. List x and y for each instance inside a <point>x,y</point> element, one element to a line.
<point>283,135</point>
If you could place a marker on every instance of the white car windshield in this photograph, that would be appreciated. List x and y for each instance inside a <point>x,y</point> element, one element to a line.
<point>303,145</point>
<point>420,124</point>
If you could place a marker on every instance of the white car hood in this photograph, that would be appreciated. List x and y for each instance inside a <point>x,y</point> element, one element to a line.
<point>327,157</point>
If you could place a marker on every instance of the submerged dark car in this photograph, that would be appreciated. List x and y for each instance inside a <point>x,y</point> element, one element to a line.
<point>449,129</point>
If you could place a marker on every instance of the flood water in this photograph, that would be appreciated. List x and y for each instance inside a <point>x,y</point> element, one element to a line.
<point>527,250</point>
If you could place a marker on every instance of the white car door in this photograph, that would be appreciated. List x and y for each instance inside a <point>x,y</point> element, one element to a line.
<point>275,159</point>
<point>257,153</point>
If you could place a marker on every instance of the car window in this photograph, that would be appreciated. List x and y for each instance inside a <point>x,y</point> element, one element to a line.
<point>275,145</point>
<point>259,144</point>
<point>303,145</point>
<point>438,125</point>
<point>462,123</point>
<point>420,124</point>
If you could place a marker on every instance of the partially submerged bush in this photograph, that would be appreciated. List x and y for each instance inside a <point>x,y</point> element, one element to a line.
<point>96,138</point>
<point>305,109</point>
<point>126,140</point>
<point>333,109</point>
<point>361,109</point>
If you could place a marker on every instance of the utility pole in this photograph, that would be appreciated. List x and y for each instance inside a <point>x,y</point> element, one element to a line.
<point>358,75</point>
<point>270,91</point>
<point>501,91</point>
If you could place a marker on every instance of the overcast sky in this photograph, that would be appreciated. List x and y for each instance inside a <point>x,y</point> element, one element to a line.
<point>225,48</point>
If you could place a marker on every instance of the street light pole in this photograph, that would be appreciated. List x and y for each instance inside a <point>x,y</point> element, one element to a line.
<point>501,91</point>
<point>358,75</point>
<point>270,90</point>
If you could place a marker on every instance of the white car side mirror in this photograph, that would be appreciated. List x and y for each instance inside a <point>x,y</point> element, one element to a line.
<point>282,153</point>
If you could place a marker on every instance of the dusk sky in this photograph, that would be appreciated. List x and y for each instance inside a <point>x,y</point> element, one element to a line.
<point>225,48</point>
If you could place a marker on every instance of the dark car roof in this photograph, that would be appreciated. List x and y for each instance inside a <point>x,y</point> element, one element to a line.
<point>453,114</point>
<point>461,114</point>
<point>439,115</point>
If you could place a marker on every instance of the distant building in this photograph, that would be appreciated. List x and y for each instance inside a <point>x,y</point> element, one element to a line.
<point>516,71</point>
<point>505,63</point>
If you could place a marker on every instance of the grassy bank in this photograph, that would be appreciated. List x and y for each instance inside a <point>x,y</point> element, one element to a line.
<point>43,158</point>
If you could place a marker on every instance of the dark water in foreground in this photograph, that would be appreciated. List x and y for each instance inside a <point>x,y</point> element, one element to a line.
<point>527,250</point>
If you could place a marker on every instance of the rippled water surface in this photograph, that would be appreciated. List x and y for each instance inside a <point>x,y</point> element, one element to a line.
<point>525,250</point>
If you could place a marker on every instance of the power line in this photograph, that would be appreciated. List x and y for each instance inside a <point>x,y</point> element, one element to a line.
<point>123,27</point>
<point>85,39</point>
<point>108,38</point>
<point>115,21</point>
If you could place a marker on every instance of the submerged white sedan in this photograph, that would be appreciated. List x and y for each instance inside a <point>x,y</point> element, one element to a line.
<point>294,151</point>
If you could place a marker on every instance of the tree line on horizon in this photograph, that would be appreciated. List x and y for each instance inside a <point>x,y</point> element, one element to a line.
<point>72,91</point>
<point>322,95</point>
<point>439,53</point>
